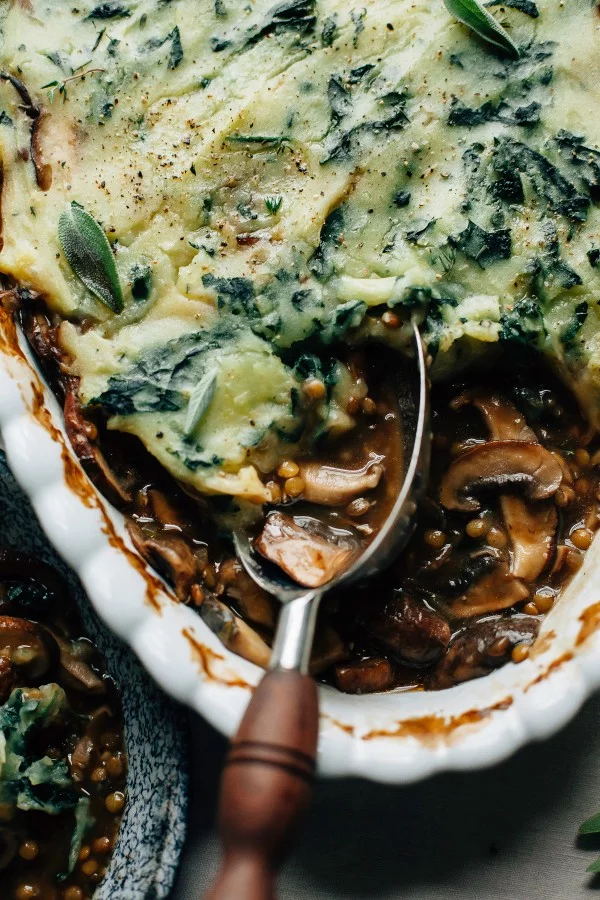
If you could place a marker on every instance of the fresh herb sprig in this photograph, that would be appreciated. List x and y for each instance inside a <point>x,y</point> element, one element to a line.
<point>592,826</point>
<point>61,86</point>
<point>89,254</point>
<point>273,204</point>
<point>474,15</point>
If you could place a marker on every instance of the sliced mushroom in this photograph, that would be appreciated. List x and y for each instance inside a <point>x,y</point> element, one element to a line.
<point>43,169</point>
<point>254,603</point>
<point>500,465</point>
<point>482,647</point>
<point>76,664</point>
<point>365,677</point>
<point>30,649</point>
<point>171,555</point>
<point>532,531</point>
<point>42,337</point>
<point>328,486</point>
<point>81,755</point>
<point>43,172</point>
<point>454,573</point>
<point>78,431</point>
<point>234,633</point>
<point>410,631</point>
<point>504,420</point>
<point>305,555</point>
<point>496,591</point>
<point>567,474</point>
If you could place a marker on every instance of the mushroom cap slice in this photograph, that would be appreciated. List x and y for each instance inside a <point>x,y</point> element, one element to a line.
<point>366,676</point>
<point>504,420</point>
<point>494,592</point>
<point>76,661</point>
<point>254,603</point>
<point>234,633</point>
<point>170,554</point>
<point>307,557</point>
<point>500,466</point>
<point>474,652</point>
<point>89,455</point>
<point>329,486</point>
<point>532,531</point>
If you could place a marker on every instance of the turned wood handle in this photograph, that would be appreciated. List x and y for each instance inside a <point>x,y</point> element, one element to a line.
<point>266,785</point>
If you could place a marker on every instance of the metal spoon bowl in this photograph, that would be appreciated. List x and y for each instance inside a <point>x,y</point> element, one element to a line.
<point>295,630</point>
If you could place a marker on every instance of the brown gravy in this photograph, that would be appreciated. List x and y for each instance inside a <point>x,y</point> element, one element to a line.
<point>467,594</point>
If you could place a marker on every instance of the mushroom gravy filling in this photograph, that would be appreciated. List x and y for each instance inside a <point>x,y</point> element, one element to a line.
<point>63,764</point>
<point>511,508</point>
<point>198,266</point>
<point>331,502</point>
<point>496,541</point>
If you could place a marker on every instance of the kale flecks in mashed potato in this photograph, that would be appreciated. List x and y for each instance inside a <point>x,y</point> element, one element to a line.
<point>272,176</point>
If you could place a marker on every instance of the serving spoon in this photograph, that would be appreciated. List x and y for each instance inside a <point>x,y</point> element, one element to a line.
<point>269,770</point>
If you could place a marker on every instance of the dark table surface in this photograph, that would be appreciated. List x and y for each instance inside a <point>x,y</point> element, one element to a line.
<point>507,833</point>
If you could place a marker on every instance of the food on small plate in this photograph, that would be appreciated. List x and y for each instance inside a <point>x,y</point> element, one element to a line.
<point>219,224</point>
<point>63,765</point>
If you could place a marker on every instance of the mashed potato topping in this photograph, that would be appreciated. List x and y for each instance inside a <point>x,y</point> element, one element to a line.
<point>272,177</point>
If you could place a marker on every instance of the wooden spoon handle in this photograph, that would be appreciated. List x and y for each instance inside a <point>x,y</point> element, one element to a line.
<point>267,785</point>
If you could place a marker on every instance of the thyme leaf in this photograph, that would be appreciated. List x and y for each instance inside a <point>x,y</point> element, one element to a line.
<point>474,15</point>
<point>90,256</point>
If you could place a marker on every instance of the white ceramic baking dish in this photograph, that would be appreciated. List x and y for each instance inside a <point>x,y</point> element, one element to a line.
<point>396,737</point>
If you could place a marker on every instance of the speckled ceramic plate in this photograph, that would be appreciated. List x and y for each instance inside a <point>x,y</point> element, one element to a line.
<point>151,838</point>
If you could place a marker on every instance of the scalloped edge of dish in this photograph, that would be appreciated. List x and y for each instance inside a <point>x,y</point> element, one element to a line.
<point>399,737</point>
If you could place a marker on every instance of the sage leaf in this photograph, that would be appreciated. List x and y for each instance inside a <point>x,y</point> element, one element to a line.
<point>89,254</point>
<point>594,867</point>
<point>591,826</point>
<point>200,400</point>
<point>472,14</point>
